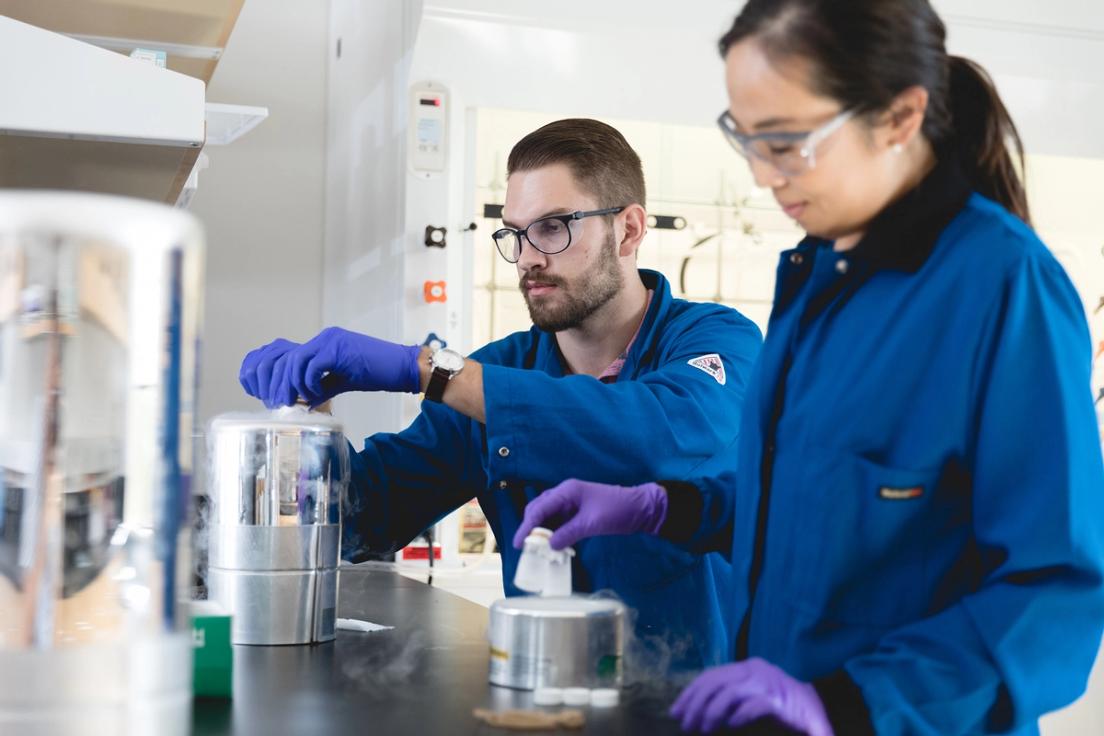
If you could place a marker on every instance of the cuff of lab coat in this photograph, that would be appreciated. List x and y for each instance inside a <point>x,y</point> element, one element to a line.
<point>684,511</point>
<point>844,703</point>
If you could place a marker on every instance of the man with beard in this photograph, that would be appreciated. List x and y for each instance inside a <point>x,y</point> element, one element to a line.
<point>617,380</point>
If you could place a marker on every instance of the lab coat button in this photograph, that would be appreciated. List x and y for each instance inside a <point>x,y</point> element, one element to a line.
<point>841,266</point>
<point>797,259</point>
<point>504,452</point>
<point>502,484</point>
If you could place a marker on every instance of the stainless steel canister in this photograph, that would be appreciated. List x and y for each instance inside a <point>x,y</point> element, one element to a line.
<point>99,315</point>
<point>276,483</point>
<point>556,642</point>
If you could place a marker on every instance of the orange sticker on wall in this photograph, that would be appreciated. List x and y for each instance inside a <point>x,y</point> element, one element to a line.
<point>435,291</point>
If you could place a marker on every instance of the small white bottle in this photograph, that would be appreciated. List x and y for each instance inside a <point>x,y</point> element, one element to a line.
<point>541,569</point>
<point>558,572</point>
<point>531,574</point>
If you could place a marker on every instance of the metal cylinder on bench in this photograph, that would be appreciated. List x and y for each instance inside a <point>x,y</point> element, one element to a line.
<point>569,641</point>
<point>276,483</point>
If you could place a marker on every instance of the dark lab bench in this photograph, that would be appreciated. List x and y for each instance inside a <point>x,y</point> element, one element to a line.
<point>423,677</point>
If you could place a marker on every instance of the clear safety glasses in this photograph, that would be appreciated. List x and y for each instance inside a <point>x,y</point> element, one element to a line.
<point>791,154</point>
<point>550,235</point>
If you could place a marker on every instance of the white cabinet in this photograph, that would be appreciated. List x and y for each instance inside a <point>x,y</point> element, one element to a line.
<point>77,114</point>
<point>78,117</point>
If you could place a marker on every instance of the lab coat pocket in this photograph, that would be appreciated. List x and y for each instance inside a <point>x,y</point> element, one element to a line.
<point>867,528</point>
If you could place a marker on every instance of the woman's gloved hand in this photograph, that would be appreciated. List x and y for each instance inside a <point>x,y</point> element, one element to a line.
<point>331,363</point>
<point>584,509</point>
<point>736,695</point>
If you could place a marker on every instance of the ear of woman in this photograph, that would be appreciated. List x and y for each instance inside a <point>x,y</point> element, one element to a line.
<point>904,120</point>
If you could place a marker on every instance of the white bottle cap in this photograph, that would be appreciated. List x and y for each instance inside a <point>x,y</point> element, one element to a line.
<point>605,697</point>
<point>548,696</point>
<point>576,696</point>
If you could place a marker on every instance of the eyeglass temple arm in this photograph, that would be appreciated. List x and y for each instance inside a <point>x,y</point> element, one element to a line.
<point>591,213</point>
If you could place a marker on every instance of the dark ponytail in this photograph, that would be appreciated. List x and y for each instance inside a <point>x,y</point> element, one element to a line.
<point>866,52</point>
<point>983,132</point>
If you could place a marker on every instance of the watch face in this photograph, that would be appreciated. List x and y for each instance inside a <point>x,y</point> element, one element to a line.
<point>450,360</point>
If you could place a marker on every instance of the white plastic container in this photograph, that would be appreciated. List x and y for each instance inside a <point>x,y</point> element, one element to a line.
<point>542,569</point>
<point>548,696</point>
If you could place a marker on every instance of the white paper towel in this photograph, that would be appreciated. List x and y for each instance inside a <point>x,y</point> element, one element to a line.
<point>354,624</point>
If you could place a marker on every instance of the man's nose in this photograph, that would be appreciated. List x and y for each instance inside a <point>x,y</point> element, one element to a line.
<point>530,257</point>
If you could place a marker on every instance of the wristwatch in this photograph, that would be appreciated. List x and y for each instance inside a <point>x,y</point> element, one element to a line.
<point>445,364</point>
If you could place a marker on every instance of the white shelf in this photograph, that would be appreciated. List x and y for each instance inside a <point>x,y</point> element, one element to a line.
<point>79,117</point>
<point>193,33</point>
<point>227,123</point>
<point>55,86</point>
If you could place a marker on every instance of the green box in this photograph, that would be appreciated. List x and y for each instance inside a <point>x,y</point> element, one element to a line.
<point>214,658</point>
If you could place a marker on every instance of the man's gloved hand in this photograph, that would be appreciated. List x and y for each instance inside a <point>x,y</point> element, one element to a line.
<point>735,695</point>
<point>256,372</point>
<point>584,509</point>
<point>331,363</point>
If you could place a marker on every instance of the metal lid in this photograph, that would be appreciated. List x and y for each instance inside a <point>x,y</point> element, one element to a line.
<point>558,606</point>
<point>288,417</point>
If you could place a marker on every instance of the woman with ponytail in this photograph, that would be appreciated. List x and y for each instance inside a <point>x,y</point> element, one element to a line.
<point>917,533</point>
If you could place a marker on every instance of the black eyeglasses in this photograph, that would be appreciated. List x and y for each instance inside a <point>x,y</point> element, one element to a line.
<point>550,235</point>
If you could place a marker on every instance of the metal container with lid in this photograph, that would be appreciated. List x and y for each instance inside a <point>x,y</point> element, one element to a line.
<point>276,482</point>
<point>568,641</point>
<point>100,302</point>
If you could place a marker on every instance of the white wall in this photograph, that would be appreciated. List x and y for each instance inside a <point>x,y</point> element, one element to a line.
<point>366,237</point>
<point>658,61</point>
<point>305,214</point>
<point>261,199</point>
<point>1047,59</point>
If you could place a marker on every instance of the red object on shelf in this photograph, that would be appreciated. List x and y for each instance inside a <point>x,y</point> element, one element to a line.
<point>420,552</point>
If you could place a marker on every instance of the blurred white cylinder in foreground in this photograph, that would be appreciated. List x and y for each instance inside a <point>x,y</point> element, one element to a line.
<point>99,320</point>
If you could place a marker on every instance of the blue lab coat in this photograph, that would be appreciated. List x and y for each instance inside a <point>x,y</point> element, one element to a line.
<point>919,522</point>
<point>662,418</point>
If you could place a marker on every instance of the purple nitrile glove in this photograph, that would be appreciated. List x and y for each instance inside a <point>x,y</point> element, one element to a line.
<point>256,372</point>
<point>333,362</point>
<point>349,361</point>
<point>586,509</point>
<point>735,695</point>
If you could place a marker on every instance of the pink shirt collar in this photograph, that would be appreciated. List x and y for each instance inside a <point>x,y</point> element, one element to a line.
<point>613,370</point>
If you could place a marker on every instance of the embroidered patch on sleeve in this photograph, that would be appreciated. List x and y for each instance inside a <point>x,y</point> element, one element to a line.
<point>712,365</point>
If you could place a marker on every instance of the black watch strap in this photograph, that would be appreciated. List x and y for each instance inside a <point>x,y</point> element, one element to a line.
<point>435,390</point>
